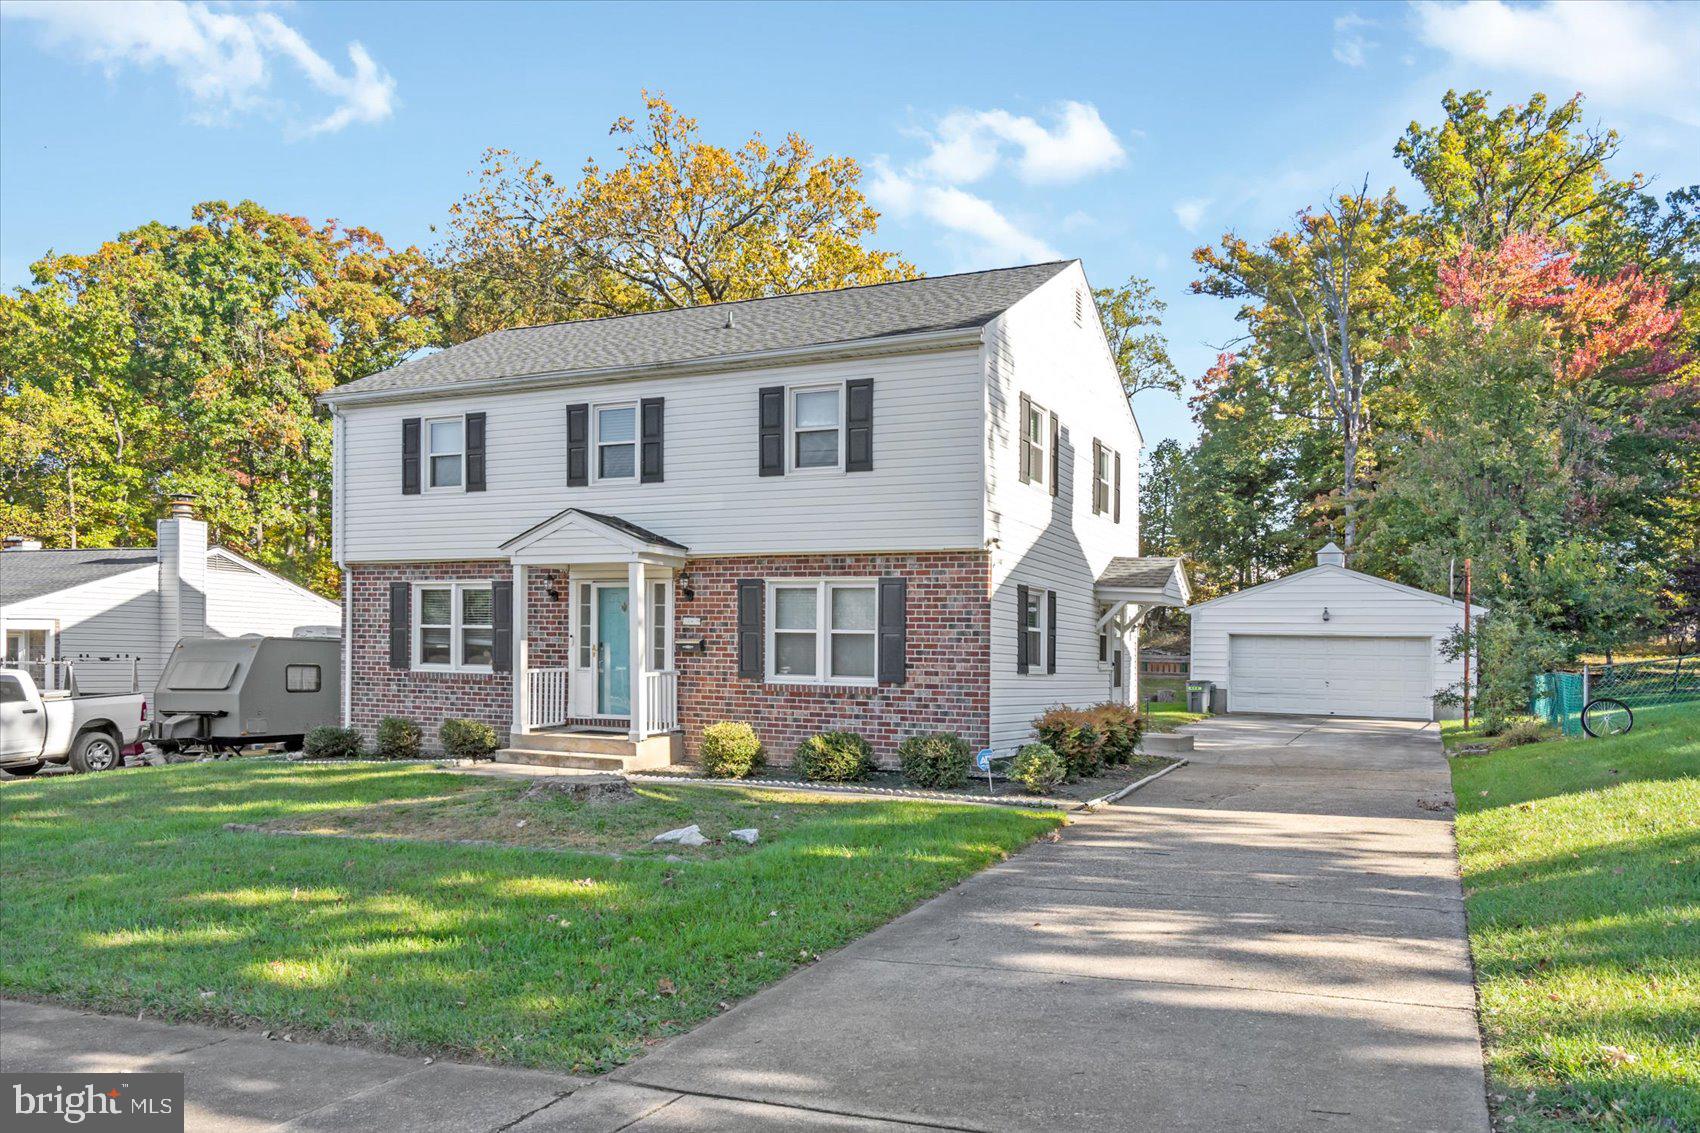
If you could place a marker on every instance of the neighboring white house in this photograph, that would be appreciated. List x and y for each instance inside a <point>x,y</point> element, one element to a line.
<point>899,508</point>
<point>1329,641</point>
<point>115,613</point>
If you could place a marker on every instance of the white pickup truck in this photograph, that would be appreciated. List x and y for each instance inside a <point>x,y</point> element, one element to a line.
<point>37,728</point>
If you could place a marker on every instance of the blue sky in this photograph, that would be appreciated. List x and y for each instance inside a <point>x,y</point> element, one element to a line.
<point>991,135</point>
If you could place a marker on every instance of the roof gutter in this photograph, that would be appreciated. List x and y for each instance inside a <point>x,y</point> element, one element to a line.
<point>861,348</point>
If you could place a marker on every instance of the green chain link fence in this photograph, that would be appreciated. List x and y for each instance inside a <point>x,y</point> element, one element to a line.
<point>1559,697</point>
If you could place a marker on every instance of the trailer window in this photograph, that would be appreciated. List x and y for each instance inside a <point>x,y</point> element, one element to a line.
<point>301,678</point>
<point>201,676</point>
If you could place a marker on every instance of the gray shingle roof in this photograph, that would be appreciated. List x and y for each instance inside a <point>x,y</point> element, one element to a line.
<point>632,529</point>
<point>30,574</point>
<point>784,322</point>
<point>1150,573</point>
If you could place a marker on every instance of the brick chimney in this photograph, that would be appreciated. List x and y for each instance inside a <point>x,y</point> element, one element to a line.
<point>182,543</point>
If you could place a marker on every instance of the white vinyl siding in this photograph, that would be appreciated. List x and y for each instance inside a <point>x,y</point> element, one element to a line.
<point>242,600</point>
<point>1358,606</point>
<point>924,492</point>
<point>1045,541</point>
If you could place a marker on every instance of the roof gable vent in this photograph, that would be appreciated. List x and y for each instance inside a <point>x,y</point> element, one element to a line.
<point>1331,555</point>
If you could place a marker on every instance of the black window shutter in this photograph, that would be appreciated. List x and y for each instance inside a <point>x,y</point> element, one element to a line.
<point>502,626</point>
<point>653,413</point>
<point>1022,661</point>
<point>1050,631</point>
<point>894,630</point>
<point>750,627</point>
<point>401,625</point>
<point>1116,670</point>
<point>772,425</point>
<point>1056,454</point>
<point>859,425</point>
<point>578,446</point>
<point>410,457</point>
<point>1097,454</point>
<point>1026,446</point>
<point>475,452</point>
<point>1117,507</point>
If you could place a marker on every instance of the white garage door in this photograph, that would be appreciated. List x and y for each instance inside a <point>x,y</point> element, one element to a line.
<point>1331,676</point>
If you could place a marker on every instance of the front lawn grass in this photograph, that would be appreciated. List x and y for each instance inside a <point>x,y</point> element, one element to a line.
<point>125,893</point>
<point>1166,715</point>
<point>1581,863</point>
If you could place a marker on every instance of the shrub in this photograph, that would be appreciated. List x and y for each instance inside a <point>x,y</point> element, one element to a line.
<point>1119,728</point>
<point>939,759</point>
<point>1069,733</point>
<point>834,757</point>
<point>731,750</point>
<point>331,742</point>
<point>1038,768</point>
<point>399,738</point>
<point>1526,730</point>
<point>467,739</point>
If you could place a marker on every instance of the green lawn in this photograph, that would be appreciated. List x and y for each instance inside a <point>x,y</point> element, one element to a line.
<point>1581,864</point>
<point>124,892</point>
<point>1166,715</point>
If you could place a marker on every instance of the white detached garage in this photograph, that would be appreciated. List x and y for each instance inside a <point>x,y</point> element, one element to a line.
<point>1328,642</point>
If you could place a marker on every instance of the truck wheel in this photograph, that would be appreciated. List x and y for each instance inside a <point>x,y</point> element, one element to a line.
<point>95,751</point>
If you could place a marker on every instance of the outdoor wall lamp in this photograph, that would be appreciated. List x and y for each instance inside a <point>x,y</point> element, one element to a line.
<point>554,595</point>
<point>685,590</point>
<point>1325,613</point>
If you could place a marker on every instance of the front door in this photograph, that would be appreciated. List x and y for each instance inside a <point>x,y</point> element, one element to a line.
<point>613,652</point>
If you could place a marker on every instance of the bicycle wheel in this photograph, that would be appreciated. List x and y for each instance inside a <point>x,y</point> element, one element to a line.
<point>1607,717</point>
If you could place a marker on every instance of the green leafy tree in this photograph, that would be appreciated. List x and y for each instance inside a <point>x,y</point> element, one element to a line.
<point>187,358</point>
<point>679,222</point>
<point>1132,317</point>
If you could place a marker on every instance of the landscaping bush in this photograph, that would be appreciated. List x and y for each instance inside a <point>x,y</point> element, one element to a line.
<point>1038,768</point>
<point>938,759</point>
<point>399,738</point>
<point>332,743</point>
<point>730,750</point>
<point>1526,730</point>
<point>467,739</point>
<point>1069,733</point>
<point>1119,728</point>
<point>834,757</point>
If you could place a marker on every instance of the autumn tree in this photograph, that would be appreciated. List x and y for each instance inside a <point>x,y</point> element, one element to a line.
<point>679,221</point>
<point>1324,303</point>
<point>1132,317</point>
<point>187,358</point>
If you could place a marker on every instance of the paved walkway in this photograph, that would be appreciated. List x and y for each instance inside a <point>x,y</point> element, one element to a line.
<point>1271,939</point>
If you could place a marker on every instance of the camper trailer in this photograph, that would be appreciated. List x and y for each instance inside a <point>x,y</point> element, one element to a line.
<point>223,693</point>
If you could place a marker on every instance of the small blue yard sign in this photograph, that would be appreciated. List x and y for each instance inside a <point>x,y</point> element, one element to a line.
<point>983,760</point>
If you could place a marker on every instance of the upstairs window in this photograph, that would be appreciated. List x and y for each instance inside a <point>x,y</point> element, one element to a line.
<point>445,451</point>
<point>616,442</point>
<point>1035,443</point>
<point>1033,625</point>
<point>1103,460</point>
<point>817,416</point>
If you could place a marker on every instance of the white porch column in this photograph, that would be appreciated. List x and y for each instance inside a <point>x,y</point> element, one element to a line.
<point>521,653</point>
<point>638,604</point>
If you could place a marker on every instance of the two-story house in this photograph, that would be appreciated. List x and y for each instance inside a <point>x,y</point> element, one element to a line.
<point>894,509</point>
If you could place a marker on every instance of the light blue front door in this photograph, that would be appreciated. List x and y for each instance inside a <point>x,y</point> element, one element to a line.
<point>613,652</point>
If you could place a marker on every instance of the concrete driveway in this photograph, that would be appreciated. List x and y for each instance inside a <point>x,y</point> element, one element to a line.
<point>1271,938</point>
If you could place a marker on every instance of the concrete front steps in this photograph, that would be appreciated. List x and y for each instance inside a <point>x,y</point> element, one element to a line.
<point>1165,743</point>
<point>593,751</point>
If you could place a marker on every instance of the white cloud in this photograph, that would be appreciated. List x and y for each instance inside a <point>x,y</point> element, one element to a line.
<point>1635,53</point>
<point>1351,45</point>
<point>223,59</point>
<point>1190,212</point>
<point>967,145</point>
<point>997,239</point>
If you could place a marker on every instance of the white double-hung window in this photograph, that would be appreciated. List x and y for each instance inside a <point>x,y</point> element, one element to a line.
<point>616,442</point>
<point>454,626</point>
<point>445,451</point>
<point>822,632</point>
<point>817,420</point>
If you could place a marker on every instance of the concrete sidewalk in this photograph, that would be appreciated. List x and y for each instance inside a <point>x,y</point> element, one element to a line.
<point>1271,938</point>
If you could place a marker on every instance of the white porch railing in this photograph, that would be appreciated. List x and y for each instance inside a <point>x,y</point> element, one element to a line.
<point>545,698</point>
<point>661,701</point>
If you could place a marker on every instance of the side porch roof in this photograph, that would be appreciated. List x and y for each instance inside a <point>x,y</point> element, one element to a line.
<point>1148,581</point>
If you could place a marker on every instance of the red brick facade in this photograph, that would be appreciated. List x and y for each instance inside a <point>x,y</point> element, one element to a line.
<point>947,688</point>
<point>948,685</point>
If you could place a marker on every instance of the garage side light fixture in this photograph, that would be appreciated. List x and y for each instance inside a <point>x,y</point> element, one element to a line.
<point>1325,613</point>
